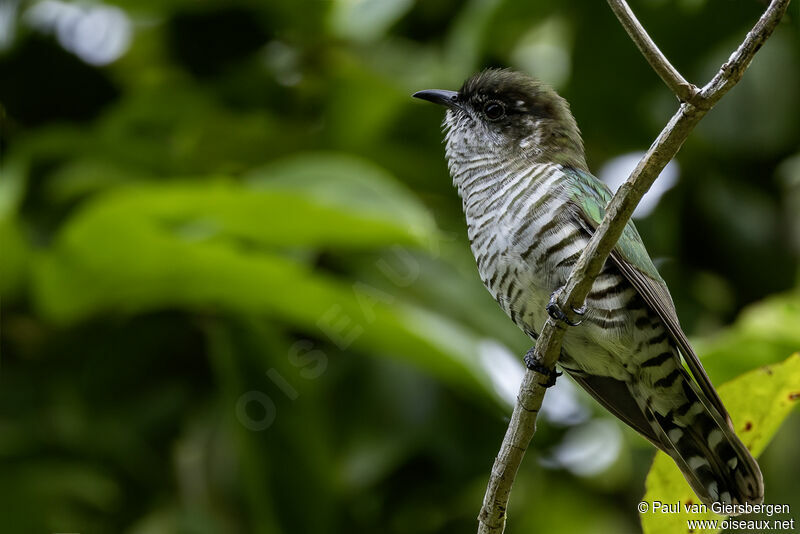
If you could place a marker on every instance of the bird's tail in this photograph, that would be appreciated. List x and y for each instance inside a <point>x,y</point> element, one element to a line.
<point>703,444</point>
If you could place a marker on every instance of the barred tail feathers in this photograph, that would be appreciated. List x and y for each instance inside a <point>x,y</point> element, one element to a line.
<point>715,463</point>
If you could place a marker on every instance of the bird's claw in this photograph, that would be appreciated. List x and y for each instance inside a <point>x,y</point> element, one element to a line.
<point>556,313</point>
<point>532,363</point>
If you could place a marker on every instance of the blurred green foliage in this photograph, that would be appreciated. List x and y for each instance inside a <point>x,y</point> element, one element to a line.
<point>236,290</point>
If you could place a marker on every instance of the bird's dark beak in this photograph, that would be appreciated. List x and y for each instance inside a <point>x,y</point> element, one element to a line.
<point>438,96</point>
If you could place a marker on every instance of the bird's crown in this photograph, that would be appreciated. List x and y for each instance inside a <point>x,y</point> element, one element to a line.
<point>518,93</point>
<point>507,110</point>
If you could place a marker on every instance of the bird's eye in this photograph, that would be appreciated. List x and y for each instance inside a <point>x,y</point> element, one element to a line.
<point>494,110</point>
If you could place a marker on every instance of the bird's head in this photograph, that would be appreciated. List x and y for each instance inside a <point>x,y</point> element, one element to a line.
<point>511,115</point>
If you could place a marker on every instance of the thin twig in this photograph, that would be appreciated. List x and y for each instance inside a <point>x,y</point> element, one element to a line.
<point>548,346</point>
<point>732,70</point>
<point>684,90</point>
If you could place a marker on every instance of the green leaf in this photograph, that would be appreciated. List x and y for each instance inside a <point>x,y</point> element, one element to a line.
<point>763,334</point>
<point>346,182</point>
<point>153,245</point>
<point>758,402</point>
<point>190,246</point>
<point>81,177</point>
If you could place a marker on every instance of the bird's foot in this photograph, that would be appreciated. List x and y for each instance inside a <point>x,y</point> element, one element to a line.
<point>532,363</point>
<point>558,314</point>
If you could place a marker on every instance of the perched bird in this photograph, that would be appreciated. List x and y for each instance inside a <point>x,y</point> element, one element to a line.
<point>516,157</point>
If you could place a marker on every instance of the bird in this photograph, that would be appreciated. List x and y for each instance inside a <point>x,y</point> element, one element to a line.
<point>516,158</point>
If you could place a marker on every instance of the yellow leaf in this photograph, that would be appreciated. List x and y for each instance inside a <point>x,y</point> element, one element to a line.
<point>758,402</point>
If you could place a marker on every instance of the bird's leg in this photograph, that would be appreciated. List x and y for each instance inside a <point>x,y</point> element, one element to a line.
<point>532,363</point>
<point>556,313</point>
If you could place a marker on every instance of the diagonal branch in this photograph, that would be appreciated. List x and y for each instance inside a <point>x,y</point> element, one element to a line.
<point>684,90</point>
<point>548,346</point>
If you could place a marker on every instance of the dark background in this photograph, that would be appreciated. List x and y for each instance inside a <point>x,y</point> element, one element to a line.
<point>236,290</point>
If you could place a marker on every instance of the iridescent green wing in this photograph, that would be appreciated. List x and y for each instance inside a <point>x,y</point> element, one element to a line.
<point>591,196</point>
<point>589,201</point>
